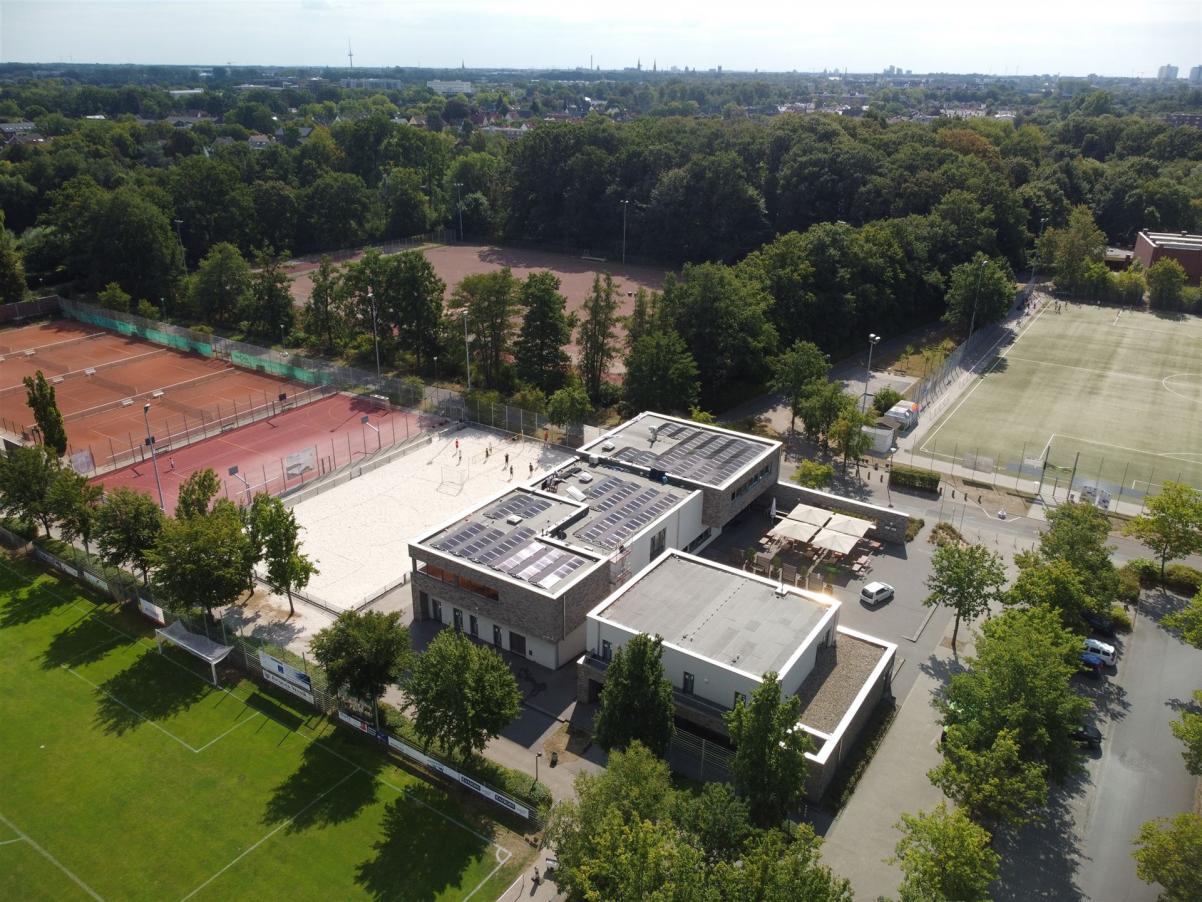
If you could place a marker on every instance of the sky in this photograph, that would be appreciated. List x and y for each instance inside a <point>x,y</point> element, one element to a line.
<point>1067,37</point>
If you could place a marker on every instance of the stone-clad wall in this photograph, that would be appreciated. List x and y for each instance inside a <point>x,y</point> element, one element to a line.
<point>890,522</point>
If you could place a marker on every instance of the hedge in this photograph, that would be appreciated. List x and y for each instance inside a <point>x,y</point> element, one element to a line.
<point>912,477</point>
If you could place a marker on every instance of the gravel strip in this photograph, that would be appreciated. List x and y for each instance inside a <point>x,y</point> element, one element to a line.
<point>839,674</point>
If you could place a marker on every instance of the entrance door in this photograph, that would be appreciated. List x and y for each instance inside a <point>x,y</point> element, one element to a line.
<point>496,636</point>
<point>517,643</point>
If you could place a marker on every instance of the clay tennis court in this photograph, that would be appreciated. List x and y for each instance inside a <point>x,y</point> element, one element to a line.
<point>453,262</point>
<point>95,373</point>
<point>277,453</point>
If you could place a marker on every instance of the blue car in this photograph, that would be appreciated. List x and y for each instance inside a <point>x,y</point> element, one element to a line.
<point>1091,663</point>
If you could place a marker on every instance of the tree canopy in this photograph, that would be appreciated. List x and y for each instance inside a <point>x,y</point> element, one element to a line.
<point>636,702</point>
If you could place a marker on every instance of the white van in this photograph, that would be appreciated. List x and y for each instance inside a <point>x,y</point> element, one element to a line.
<point>876,593</point>
<point>1106,652</point>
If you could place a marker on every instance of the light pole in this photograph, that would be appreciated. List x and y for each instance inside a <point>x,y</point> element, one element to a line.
<point>459,204</point>
<point>537,755</point>
<point>435,367</point>
<point>625,207</point>
<point>375,332</point>
<point>972,323</point>
<point>154,456</point>
<point>873,338</point>
<point>467,360</point>
<point>1038,239</point>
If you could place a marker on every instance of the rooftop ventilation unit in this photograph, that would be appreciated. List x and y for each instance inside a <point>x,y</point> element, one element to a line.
<point>607,446</point>
<point>586,478</point>
<point>575,492</point>
<point>513,519</point>
<point>593,460</point>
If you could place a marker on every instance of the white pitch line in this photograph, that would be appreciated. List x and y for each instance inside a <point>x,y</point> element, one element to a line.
<point>133,710</point>
<point>54,861</point>
<point>264,839</point>
<point>9,842</point>
<point>1085,369</point>
<point>231,729</point>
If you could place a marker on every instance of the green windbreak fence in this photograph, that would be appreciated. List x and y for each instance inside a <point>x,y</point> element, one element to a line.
<point>128,324</point>
<point>282,368</point>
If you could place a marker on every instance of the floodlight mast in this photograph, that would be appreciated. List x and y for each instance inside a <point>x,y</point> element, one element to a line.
<point>873,338</point>
<point>154,457</point>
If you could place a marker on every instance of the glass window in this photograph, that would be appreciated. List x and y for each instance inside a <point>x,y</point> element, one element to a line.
<point>436,609</point>
<point>688,684</point>
<point>607,650</point>
<point>473,625</point>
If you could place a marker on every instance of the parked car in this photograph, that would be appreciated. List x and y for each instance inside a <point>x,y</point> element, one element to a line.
<point>1100,624</point>
<point>1091,663</point>
<point>1106,652</point>
<point>876,593</point>
<point>1089,735</point>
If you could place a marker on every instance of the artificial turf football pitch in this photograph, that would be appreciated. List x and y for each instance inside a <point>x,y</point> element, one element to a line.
<point>124,774</point>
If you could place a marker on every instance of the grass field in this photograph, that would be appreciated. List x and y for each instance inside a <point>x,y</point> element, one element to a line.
<point>1118,394</point>
<point>125,775</point>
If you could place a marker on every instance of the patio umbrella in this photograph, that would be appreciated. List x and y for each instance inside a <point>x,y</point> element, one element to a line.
<point>805,513</point>
<point>851,526</point>
<point>837,542</point>
<point>791,529</point>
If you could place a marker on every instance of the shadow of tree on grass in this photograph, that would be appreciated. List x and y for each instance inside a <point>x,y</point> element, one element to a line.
<point>151,688</point>
<point>306,795</point>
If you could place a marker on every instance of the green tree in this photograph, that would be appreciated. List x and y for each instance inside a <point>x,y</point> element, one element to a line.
<point>322,319</point>
<point>27,475</point>
<point>1069,251</point>
<point>983,286</point>
<point>268,308</point>
<point>1057,585</point>
<point>406,203</point>
<point>362,654</point>
<point>127,527</point>
<point>780,864</point>
<point>884,399</point>
<point>415,309</point>
<point>462,694</point>
<point>1019,680</point>
<point>814,474</point>
<point>196,494</point>
<point>1189,730</point>
<point>1188,621</point>
<point>717,817</point>
<point>221,285</point>
<point>335,210</point>
<point>39,397</point>
<point>821,404</point>
<point>848,436</point>
<point>769,765</point>
<point>944,856</point>
<point>1166,284</point>
<point>993,785</point>
<point>793,372</point>
<point>546,330</point>
<point>595,336</point>
<point>491,302</point>
<point>1077,533</point>
<point>12,268</point>
<point>569,406</point>
<point>202,561</point>
<point>965,578</point>
<point>278,533</point>
<point>75,505</point>
<point>1168,851</point>
<point>636,703</point>
<point>661,375</point>
<point>1172,525</point>
<point>126,238</point>
<point>114,297</point>
<point>638,860</point>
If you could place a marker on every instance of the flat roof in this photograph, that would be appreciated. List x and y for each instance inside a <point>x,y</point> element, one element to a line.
<point>716,612</point>
<point>697,452</point>
<point>1175,240</point>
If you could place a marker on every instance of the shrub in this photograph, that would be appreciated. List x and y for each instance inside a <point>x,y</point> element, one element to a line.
<point>1129,584</point>
<point>903,476</point>
<point>814,474</point>
<point>914,526</point>
<point>944,534</point>
<point>1119,619</point>
<point>885,398</point>
<point>1183,578</point>
<point>1147,571</point>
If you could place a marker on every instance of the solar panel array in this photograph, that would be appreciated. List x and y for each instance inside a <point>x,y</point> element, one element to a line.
<point>515,552</point>
<point>627,508</point>
<point>524,506</point>
<point>698,454</point>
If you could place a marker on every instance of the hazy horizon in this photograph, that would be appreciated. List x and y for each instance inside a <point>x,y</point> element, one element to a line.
<point>769,35</point>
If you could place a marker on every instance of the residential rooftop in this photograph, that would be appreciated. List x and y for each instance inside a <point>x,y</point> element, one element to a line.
<point>694,452</point>
<point>717,613</point>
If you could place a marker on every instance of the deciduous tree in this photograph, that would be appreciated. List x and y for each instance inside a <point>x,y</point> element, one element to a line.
<point>1189,730</point>
<point>462,694</point>
<point>202,561</point>
<point>39,397</point>
<point>794,370</point>
<point>944,856</point>
<point>322,319</point>
<point>362,654</point>
<point>982,285</point>
<point>595,336</point>
<point>965,578</point>
<point>491,301</point>
<point>221,284</point>
<point>1171,527</point>
<point>636,703</point>
<point>769,765</point>
<point>1188,621</point>
<point>275,527</point>
<point>1168,851</point>
<point>1166,284</point>
<point>546,329</point>
<point>127,527</point>
<point>12,268</point>
<point>993,785</point>
<point>196,494</point>
<point>661,374</point>
<point>269,310</point>
<point>75,505</point>
<point>27,475</point>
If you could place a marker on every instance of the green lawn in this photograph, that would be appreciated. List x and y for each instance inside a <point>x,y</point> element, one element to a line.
<point>125,775</point>
<point>1118,395</point>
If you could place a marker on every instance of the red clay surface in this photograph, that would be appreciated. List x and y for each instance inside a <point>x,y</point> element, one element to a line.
<point>453,262</point>
<point>330,427</point>
<point>195,389</point>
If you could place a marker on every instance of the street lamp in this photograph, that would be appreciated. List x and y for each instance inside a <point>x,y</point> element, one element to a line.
<point>1038,239</point>
<point>537,755</point>
<point>154,457</point>
<point>435,367</point>
<point>467,360</point>
<point>873,338</point>
<point>459,204</point>
<point>972,323</point>
<point>625,207</point>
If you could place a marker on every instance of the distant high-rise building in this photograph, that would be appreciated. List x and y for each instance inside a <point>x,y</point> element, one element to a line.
<point>1167,72</point>
<point>1195,75</point>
